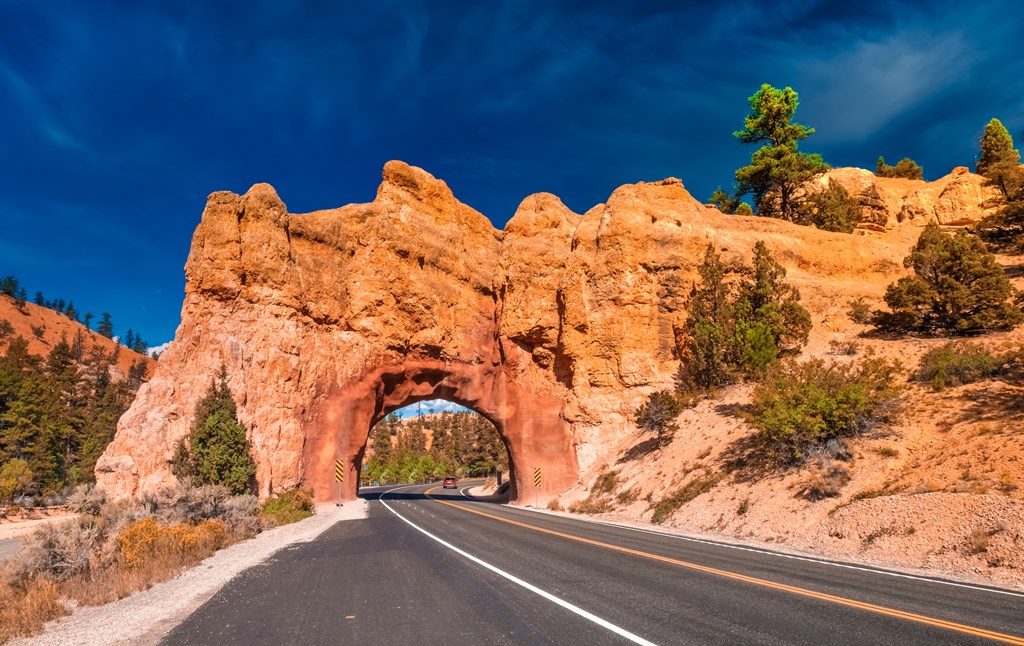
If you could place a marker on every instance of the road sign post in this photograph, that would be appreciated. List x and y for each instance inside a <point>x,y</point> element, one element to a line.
<point>339,475</point>
<point>536,486</point>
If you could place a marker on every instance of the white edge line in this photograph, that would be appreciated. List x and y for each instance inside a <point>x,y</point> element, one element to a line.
<point>755,550</point>
<point>622,632</point>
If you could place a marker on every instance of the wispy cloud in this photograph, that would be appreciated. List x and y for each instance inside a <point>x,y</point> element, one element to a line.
<point>431,407</point>
<point>38,111</point>
<point>857,92</point>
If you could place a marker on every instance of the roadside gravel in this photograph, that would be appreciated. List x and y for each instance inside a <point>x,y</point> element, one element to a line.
<point>145,617</point>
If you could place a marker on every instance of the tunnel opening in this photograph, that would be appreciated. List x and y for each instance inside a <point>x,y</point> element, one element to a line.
<point>431,440</point>
<point>535,438</point>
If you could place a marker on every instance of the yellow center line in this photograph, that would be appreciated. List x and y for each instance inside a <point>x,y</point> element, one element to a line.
<point>870,607</point>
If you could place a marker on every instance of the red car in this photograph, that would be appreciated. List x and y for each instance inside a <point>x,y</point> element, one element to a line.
<point>450,483</point>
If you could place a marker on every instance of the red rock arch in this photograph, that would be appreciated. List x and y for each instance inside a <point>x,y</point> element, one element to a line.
<point>556,328</point>
<point>531,427</point>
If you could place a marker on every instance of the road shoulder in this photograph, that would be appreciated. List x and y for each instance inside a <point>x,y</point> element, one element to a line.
<point>145,617</point>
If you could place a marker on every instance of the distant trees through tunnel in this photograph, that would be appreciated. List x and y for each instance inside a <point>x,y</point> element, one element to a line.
<point>423,446</point>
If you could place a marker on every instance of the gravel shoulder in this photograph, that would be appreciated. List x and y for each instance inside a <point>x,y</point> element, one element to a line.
<point>145,617</point>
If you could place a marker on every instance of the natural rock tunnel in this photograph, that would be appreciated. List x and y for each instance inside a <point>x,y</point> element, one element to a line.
<point>555,328</point>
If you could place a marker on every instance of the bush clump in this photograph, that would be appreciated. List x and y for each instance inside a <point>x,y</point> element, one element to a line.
<point>697,486</point>
<point>149,540</point>
<point>289,507</point>
<point>831,209</point>
<point>859,311</point>
<point>799,407</point>
<point>598,501</point>
<point>906,168</point>
<point>958,363</point>
<point>658,415</point>
<point>957,287</point>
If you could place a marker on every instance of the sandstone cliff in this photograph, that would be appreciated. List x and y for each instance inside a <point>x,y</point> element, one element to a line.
<point>555,328</point>
<point>957,198</point>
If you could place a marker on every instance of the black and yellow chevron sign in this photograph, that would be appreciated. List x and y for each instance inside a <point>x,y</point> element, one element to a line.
<point>339,471</point>
<point>536,476</point>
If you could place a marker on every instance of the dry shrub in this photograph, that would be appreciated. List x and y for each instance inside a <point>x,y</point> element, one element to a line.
<point>627,497</point>
<point>554,504</point>
<point>591,505</point>
<point>87,499</point>
<point>605,482</point>
<point>115,549</point>
<point>599,500</point>
<point>958,363</point>
<point>149,539</point>
<point>825,481</point>
<point>56,552</point>
<point>700,484</point>
<point>847,348</point>
<point>25,609</point>
<point>977,543</point>
<point>859,311</point>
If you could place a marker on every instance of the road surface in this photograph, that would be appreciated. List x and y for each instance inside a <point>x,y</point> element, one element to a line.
<point>432,566</point>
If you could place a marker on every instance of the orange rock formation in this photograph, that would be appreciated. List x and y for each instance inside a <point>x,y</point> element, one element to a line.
<point>555,329</point>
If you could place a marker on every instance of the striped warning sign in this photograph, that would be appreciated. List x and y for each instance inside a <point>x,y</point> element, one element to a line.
<point>536,476</point>
<point>339,471</point>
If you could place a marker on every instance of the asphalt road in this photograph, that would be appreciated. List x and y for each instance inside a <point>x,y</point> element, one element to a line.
<point>444,569</point>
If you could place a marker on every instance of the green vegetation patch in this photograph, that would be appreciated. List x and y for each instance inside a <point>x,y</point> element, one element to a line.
<point>801,406</point>
<point>958,363</point>
<point>700,484</point>
<point>289,507</point>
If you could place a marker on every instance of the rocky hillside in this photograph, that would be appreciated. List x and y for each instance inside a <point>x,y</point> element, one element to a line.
<point>44,328</point>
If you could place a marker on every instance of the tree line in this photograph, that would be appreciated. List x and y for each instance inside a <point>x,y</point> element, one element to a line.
<point>461,444</point>
<point>57,415</point>
<point>11,286</point>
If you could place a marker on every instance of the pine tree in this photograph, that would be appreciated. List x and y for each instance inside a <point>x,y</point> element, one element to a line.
<point>39,299</point>
<point>105,327</point>
<point>88,320</point>
<point>778,169</point>
<point>380,443</point>
<point>9,286</point>
<point>70,311</point>
<point>705,362</point>
<point>768,314</point>
<point>996,149</point>
<point>957,287</point>
<point>906,168</point>
<point>20,299</point>
<point>726,203</point>
<point>218,450</point>
<point>831,209</point>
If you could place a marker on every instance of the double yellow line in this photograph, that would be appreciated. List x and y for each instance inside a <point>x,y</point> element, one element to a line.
<point>869,607</point>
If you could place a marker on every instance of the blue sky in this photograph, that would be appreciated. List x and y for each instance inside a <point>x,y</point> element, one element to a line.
<point>118,119</point>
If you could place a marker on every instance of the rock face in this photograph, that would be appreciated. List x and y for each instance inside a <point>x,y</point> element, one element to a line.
<point>554,329</point>
<point>958,198</point>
